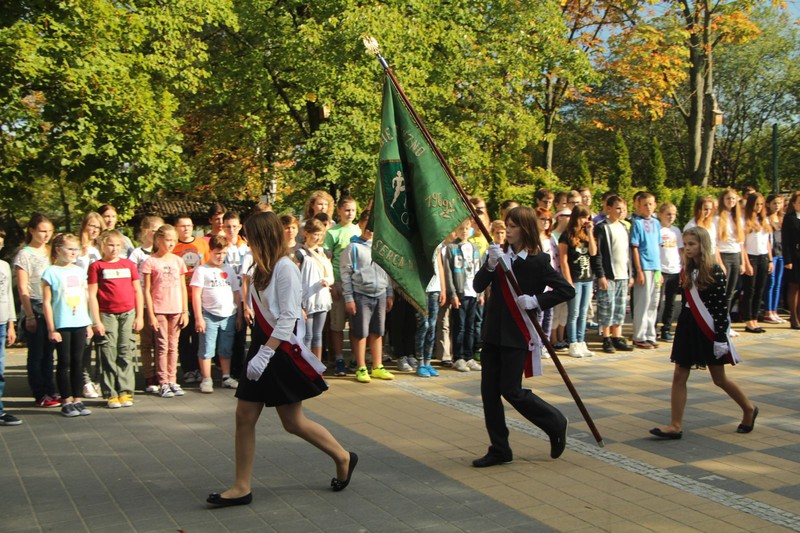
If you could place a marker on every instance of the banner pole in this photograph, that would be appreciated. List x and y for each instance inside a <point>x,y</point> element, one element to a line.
<point>372,47</point>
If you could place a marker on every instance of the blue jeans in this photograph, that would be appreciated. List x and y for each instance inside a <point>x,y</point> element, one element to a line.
<point>772,293</point>
<point>3,333</point>
<point>426,328</point>
<point>218,337</point>
<point>578,307</point>
<point>463,325</point>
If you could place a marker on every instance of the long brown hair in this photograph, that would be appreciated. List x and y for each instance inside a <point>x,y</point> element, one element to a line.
<point>755,221</point>
<point>708,221</point>
<point>265,236</point>
<point>33,223</point>
<point>575,232</point>
<point>526,219</point>
<point>724,220</point>
<point>704,264</point>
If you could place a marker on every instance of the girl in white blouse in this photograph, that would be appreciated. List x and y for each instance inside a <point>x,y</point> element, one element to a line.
<point>758,248</point>
<point>281,372</point>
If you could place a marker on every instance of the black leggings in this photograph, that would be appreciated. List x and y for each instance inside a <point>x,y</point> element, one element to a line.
<point>732,263</point>
<point>69,371</point>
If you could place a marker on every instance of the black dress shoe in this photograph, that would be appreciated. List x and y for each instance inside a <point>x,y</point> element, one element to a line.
<point>339,484</point>
<point>558,442</point>
<point>216,499</point>
<point>747,429</point>
<point>490,460</point>
<point>673,435</point>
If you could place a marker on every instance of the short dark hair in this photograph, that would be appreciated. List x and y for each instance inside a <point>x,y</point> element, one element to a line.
<point>345,199</point>
<point>216,209</point>
<point>229,215</point>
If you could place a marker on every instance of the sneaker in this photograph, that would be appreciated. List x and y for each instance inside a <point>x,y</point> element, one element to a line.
<point>68,410</point>
<point>229,383</point>
<point>412,361</point>
<point>362,376</point>
<point>403,366</point>
<point>382,373</point>
<point>608,346</point>
<point>666,336</point>
<point>621,344</point>
<point>575,350</point>
<point>423,372</point>
<point>47,401</point>
<point>207,386</point>
<point>190,377</point>
<point>644,345</point>
<point>460,365</point>
<point>90,391</point>
<point>9,420</point>
<point>56,397</point>
<point>771,319</point>
<point>176,389</point>
<point>126,400</point>
<point>431,371</point>
<point>340,370</point>
<point>654,344</point>
<point>82,410</point>
<point>585,349</point>
<point>472,364</point>
<point>152,385</point>
<point>733,333</point>
<point>113,403</point>
<point>166,392</point>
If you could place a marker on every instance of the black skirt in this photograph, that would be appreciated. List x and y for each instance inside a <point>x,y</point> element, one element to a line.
<point>691,348</point>
<point>283,382</point>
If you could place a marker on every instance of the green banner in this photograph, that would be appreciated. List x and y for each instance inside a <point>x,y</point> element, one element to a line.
<point>416,206</point>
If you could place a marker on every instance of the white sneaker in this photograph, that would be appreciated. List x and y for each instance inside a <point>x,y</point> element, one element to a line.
<point>472,364</point>
<point>176,389</point>
<point>585,350</point>
<point>575,350</point>
<point>190,377</point>
<point>90,391</point>
<point>403,366</point>
<point>412,362</point>
<point>166,392</point>
<point>229,383</point>
<point>152,388</point>
<point>207,386</point>
<point>461,366</point>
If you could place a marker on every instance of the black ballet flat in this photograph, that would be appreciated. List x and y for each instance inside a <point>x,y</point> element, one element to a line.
<point>216,499</point>
<point>339,484</point>
<point>747,429</point>
<point>558,441</point>
<point>755,330</point>
<point>673,435</point>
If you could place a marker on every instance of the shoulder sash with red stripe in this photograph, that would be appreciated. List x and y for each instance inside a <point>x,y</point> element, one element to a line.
<point>533,363</point>
<point>305,360</point>
<point>706,322</point>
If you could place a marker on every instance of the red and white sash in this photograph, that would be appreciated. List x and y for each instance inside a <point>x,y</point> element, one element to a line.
<point>304,358</point>
<point>533,363</point>
<point>706,323</point>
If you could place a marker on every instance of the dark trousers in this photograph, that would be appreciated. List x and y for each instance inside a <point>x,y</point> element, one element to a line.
<point>732,264</point>
<point>402,325</point>
<point>69,370</point>
<point>239,352</point>
<point>187,345</point>
<point>672,284</point>
<point>462,322</point>
<point>501,377</point>
<point>40,360</point>
<point>753,287</point>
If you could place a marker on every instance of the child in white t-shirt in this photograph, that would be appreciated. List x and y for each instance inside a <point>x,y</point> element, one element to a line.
<point>216,299</point>
<point>671,245</point>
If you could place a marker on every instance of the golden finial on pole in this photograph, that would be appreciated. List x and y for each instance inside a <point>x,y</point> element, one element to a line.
<point>372,46</point>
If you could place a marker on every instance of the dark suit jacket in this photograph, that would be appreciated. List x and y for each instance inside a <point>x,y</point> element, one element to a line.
<point>790,234</point>
<point>534,274</point>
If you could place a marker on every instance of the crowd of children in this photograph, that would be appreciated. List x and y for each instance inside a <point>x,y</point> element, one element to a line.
<point>85,296</point>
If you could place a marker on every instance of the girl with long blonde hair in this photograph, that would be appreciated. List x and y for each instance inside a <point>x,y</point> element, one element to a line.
<point>758,233</point>
<point>701,336</point>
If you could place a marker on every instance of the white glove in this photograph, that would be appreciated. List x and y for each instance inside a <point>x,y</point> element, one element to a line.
<point>495,252</point>
<point>527,302</point>
<point>259,363</point>
<point>720,349</point>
